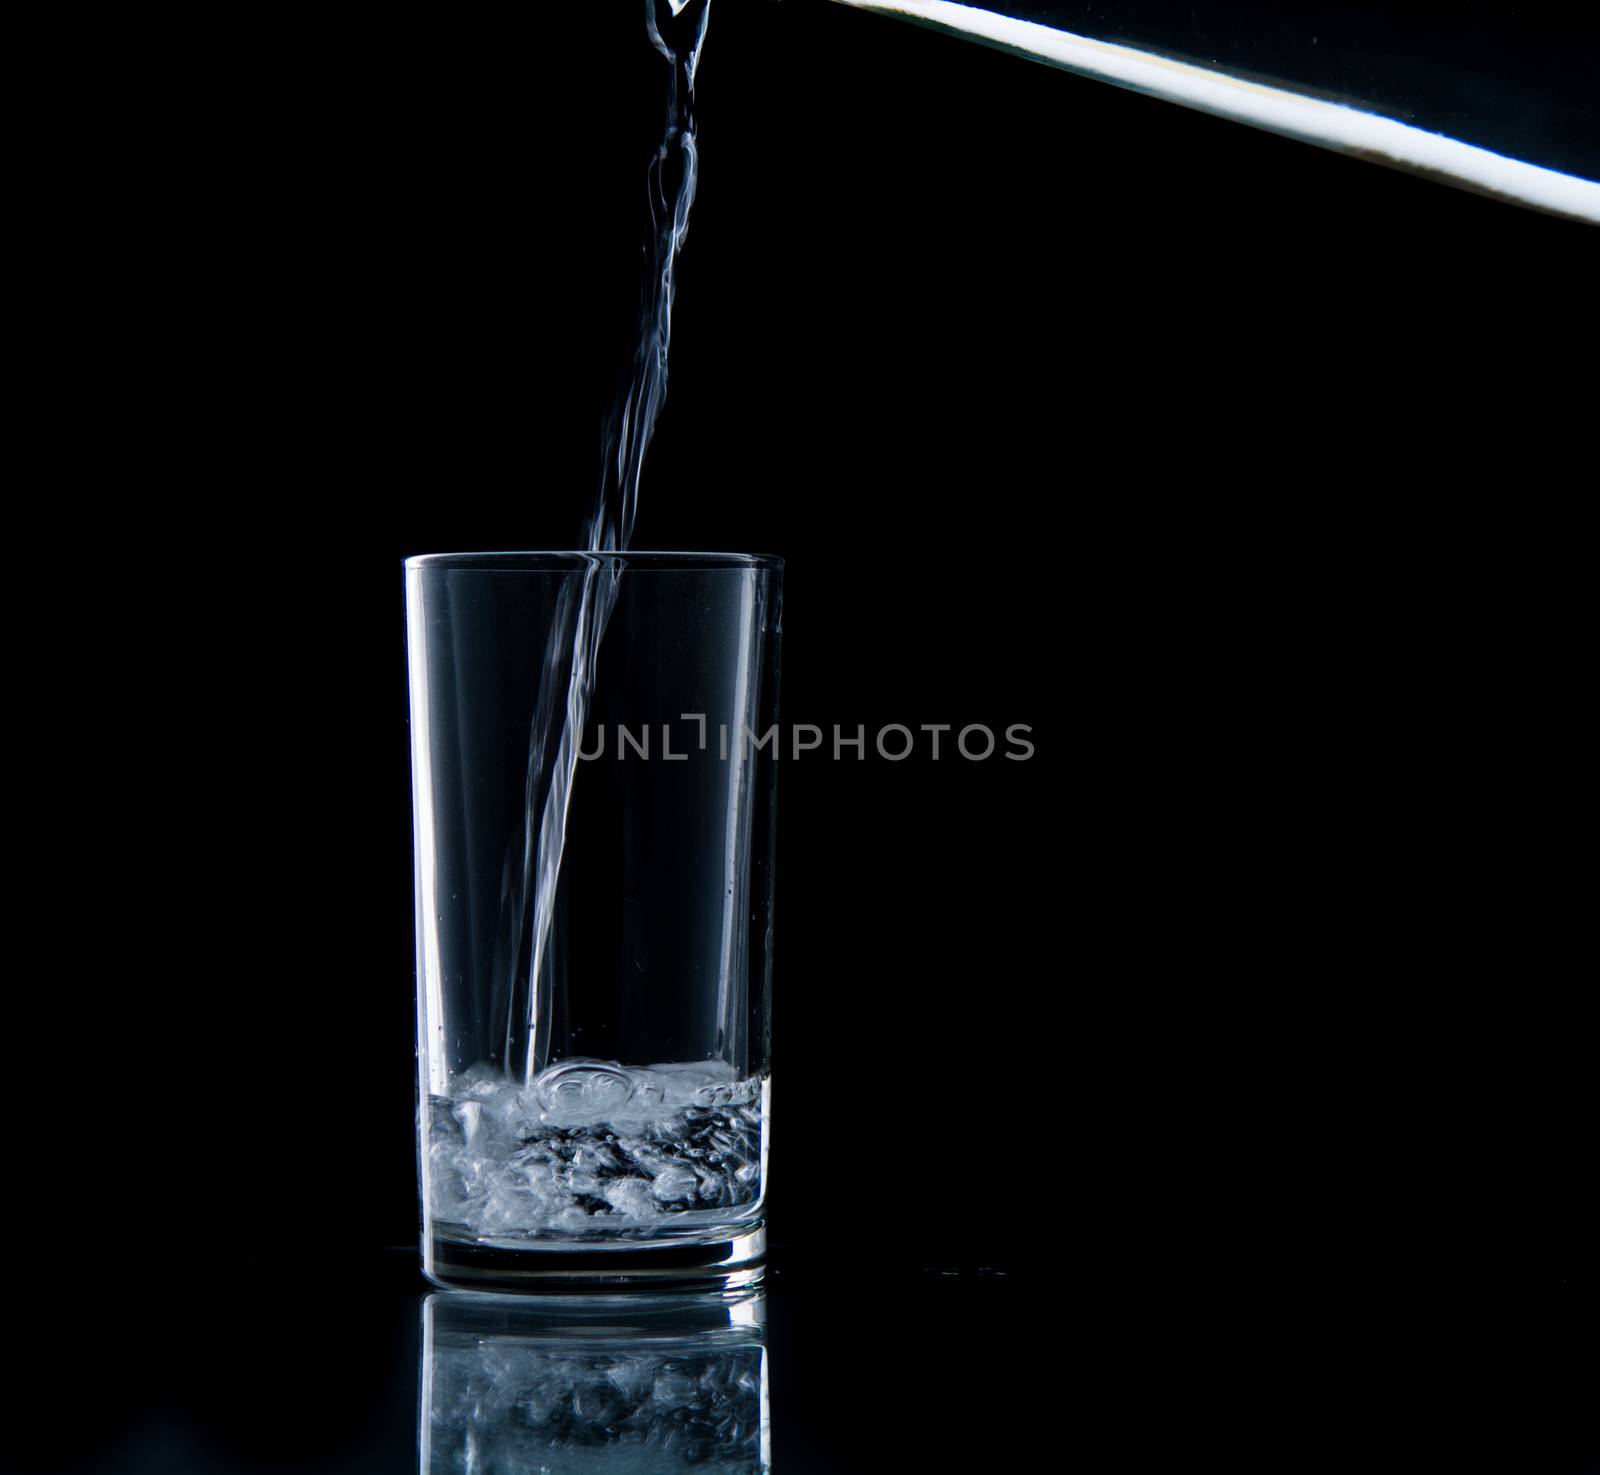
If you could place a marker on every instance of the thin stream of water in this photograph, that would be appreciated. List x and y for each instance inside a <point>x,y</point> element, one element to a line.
<point>523,975</point>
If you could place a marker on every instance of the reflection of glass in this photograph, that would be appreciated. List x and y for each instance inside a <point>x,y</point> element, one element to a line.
<point>594,1385</point>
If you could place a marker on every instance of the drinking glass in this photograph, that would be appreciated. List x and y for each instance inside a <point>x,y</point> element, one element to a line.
<point>593,745</point>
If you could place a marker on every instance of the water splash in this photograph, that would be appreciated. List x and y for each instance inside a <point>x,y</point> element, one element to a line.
<point>523,970</point>
<point>597,1149</point>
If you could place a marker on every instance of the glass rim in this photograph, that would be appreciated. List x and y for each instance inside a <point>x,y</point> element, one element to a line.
<point>553,561</point>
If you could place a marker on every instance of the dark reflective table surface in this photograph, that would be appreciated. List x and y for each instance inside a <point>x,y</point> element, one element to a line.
<point>943,1367</point>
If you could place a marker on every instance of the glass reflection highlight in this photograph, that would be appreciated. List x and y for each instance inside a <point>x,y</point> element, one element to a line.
<point>580,1386</point>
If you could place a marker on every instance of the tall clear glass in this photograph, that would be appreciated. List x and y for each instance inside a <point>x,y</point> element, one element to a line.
<point>593,754</point>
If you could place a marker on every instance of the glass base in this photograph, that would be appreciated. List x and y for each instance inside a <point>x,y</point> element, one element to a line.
<point>727,1263</point>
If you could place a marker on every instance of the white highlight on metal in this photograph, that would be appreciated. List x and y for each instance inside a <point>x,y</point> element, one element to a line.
<point>1310,119</point>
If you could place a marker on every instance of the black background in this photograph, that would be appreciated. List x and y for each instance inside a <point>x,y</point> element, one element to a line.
<point>1247,475</point>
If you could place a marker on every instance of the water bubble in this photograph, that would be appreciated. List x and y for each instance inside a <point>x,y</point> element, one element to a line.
<point>583,1093</point>
<point>674,1182</point>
